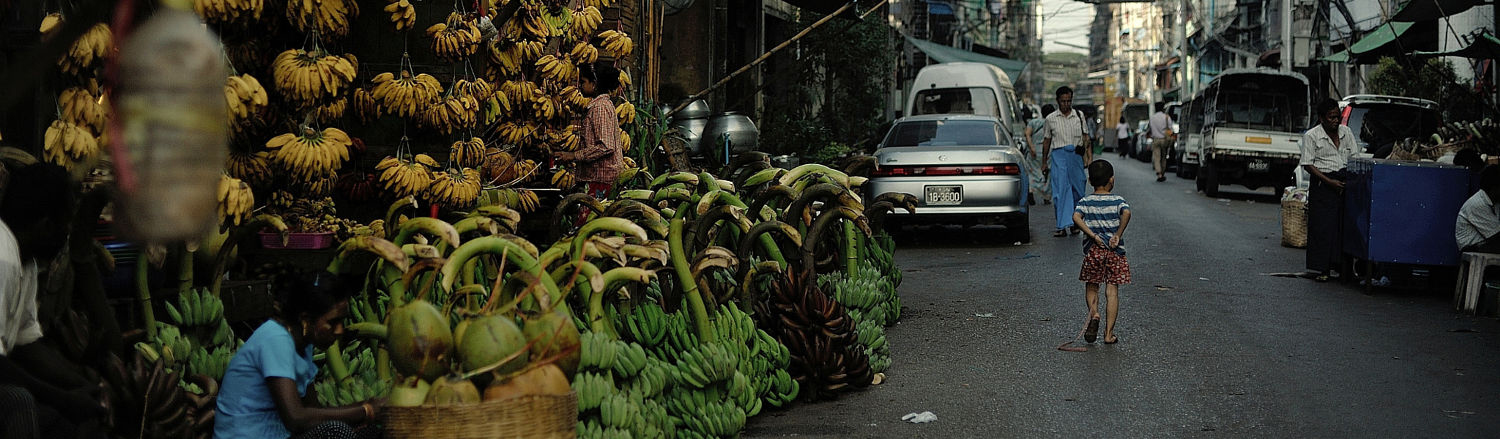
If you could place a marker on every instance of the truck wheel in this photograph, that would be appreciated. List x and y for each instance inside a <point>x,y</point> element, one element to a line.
<point>1208,180</point>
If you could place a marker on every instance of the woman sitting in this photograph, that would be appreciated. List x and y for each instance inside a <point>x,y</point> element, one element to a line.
<point>267,390</point>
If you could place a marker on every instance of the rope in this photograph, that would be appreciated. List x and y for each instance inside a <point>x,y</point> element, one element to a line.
<point>1065,347</point>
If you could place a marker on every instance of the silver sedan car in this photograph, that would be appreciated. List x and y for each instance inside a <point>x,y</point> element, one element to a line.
<point>962,169</point>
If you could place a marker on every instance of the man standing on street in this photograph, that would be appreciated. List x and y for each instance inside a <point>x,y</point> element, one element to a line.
<point>1324,159</point>
<point>1065,148</point>
<point>1161,135</point>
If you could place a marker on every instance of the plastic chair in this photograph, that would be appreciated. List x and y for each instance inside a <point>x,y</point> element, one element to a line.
<point>1471,279</point>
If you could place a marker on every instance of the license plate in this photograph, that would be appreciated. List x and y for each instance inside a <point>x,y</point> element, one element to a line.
<point>944,195</point>
<point>1258,166</point>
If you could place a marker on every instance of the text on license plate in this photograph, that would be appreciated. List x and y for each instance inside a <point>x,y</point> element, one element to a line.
<point>1259,166</point>
<point>944,195</point>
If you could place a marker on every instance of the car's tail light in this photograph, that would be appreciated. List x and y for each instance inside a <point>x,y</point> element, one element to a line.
<point>918,171</point>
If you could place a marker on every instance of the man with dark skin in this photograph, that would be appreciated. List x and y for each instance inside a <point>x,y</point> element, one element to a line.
<point>1326,149</point>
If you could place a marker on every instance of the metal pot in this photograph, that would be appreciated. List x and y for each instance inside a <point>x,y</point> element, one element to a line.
<point>743,135</point>
<point>696,110</point>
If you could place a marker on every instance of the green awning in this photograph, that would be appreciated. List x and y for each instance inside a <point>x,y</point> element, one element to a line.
<point>1421,10</point>
<point>1341,57</point>
<point>1391,39</point>
<point>1484,46</point>
<point>942,54</point>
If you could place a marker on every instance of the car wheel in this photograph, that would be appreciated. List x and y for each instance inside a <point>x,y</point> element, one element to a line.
<point>1208,179</point>
<point>1019,229</point>
<point>1187,171</point>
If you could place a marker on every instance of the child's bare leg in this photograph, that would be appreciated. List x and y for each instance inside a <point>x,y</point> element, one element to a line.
<point>1112,310</point>
<point>1091,294</point>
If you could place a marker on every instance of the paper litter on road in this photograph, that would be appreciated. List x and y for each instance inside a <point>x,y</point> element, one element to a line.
<point>985,315</point>
<point>1202,278</point>
<point>919,418</point>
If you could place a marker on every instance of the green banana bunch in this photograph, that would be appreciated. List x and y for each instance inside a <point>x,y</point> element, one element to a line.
<point>784,389</point>
<point>196,307</point>
<point>706,364</point>
<point>630,359</point>
<point>619,411</point>
<point>590,429</point>
<point>653,379</point>
<point>209,363</point>
<point>598,351</point>
<point>716,419</point>
<point>223,336</point>
<point>364,308</point>
<point>654,422</point>
<point>646,324</point>
<point>172,346</point>
<point>592,389</point>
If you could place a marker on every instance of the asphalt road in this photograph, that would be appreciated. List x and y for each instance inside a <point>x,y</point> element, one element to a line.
<point>1211,346</point>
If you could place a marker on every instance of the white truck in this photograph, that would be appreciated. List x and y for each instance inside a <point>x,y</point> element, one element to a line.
<point>1253,120</point>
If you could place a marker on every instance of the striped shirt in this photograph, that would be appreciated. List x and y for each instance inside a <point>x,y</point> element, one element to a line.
<point>1065,130</point>
<point>1101,213</point>
<point>600,154</point>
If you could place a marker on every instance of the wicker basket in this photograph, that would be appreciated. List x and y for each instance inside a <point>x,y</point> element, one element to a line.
<point>1294,223</point>
<point>530,416</point>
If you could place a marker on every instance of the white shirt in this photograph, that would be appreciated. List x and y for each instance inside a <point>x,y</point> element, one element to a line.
<point>1320,151</point>
<point>1477,220</point>
<point>1159,124</point>
<point>1122,131</point>
<point>18,282</point>
<point>1065,130</point>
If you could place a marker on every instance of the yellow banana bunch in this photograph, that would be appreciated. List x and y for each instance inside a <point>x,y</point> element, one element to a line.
<point>330,17</point>
<point>312,154</point>
<point>625,79</point>
<point>82,108</point>
<point>402,13</point>
<point>246,98</point>
<point>319,186</point>
<point>510,133</point>
<point>583,53</point>
<point>616,44</point>
<point>625,139</point>
<point>365,105</point>
<point>550,67</point>
<point>626,112</point>
<point>522,200</point>
<point>236,200</point>
<point>468,153</point>
<point>531,50</point>
<point>494,107</point>
<point>407,96</point>
<point>454,39</point>
<point>520,91</point>
<point>70,145</point>
<point>567,139</point>
<point>455,188</point>
<point>452,113</point>
<point>563,179</point>
<point>331,112</point>
<point>253,168</point>
<point>532,23</point>
<point>545,108</point>
<point>403,177</point>
<point>519,172</point>
<point>88,51</point>
<point>50,24</point>
<point>308,79</point>
<point>478,88</point>
<point>229,12</point>
<point>575,99</point>
<point>599,4</point>
<point>505,58</point>
<point>585,22</point>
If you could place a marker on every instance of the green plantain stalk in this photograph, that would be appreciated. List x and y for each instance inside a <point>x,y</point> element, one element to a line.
<point>685,279</point>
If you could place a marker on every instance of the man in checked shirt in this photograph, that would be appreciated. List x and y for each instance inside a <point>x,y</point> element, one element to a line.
<point>597,160</point>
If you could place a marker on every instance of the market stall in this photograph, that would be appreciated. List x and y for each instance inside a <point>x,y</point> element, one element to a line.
<point>1402,213</point>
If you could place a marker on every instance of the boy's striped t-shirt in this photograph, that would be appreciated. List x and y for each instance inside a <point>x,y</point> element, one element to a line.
<point>1101,213</point>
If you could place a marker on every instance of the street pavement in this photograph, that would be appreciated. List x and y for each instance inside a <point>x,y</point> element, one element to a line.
<point>1211,344</point>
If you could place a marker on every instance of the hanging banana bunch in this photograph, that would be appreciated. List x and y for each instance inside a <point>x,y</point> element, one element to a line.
<point>599,4</point>
<point>626,112</point>
<point>251,55</point>
<point>225,13</point>
<point>319,186</point>
<point>70,145</point>
<point>504,59</point>
<point>331,112</point>
<point>454,188</point>
<point>625,80</point>
<point>308,79</point>
<point>454,112</point>
<point>252,168</point>
<point>559,20</point>
<point>546,108</point>
<point>403,14</point>
<point>246,98</point>
<point>366,107</point>
<point>534,26</point>
<point>585,22</point>
<point>468,153</point>
<point>583,53</point>
<point>313,154</point>
<point>477,88</point>
<point>82,108</point>
<point>328,17</point>
<point>406,96</point>
<point>616,44</point>
<point>567,139</point>
<point>50,24</point>
<point>89,51</point>
<point>555,69</point>
<point>236,200</point>
<point>402,178</point>
<point>455,39</point>
<point>562,179</point>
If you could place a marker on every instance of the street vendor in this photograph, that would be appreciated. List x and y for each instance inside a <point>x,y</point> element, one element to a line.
<point>1324,159</point>
<point>599,157</point>
<point>1478,225</point>
<point>37,391</point>
<point>267,391</point>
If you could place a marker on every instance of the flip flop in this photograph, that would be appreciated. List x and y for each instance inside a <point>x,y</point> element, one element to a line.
<point>1091,333</point>
<point>1117,340</point>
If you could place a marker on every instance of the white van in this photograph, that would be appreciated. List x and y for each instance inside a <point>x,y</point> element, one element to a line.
<point>967,88</point>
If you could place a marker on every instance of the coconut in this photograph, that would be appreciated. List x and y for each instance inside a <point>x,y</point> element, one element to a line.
<point>420,340</point>
<point>547,379</point>
<point>410,392</point>
<point>490,339</point>
<point>551,333</point>
<point>452,390</point>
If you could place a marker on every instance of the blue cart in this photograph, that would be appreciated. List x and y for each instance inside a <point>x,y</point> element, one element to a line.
<point>1400,215</point>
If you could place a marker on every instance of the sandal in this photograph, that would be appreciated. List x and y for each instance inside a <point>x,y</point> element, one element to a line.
<point>1091,333</point>
<point>1060,233</point>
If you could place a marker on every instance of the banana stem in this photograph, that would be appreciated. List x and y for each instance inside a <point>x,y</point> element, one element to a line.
<point>599,321</point>
<point>143,290</point>
<point>336,364</point>
<point>685,278</point>
<point>383,364</point>
<point>851,248</point>
<point>185,271</point>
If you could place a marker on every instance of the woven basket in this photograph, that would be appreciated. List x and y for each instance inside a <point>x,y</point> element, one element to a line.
<point>530,416</point>
<point>1294,224</point>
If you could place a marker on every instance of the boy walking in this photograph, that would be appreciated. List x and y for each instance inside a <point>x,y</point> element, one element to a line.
<point>1103,217</point>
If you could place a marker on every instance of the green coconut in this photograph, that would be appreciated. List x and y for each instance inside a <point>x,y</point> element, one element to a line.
<point>453,390</point>
<point>553,332</point>
<point>410,392</point>
<point>488,340</point>
<point>420,340</point>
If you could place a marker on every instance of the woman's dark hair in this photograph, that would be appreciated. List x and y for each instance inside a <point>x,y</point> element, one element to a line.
<point>1048,109</point>
<point>606,78</point>
<point>37,192</point>
<point>1026,113</point>
<point>1122,119</point>
<point>312,293</point>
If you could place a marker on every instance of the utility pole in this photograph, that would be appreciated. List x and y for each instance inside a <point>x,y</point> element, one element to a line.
<point>1286,36</point>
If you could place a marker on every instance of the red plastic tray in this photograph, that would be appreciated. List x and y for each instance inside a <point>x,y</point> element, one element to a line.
<point>297,241</point>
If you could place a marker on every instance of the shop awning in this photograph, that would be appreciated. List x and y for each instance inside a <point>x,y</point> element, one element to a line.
<point>941,53</point>
<point>1394,38</point>
<point>1484,46</point>
<point>939,8</point>
<point>1420,10</point>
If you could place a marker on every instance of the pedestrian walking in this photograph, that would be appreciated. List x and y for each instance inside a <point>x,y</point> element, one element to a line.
<point>1122,138</point>
<point>1324,159</point>
<point>1103,216</point>
<point>599,158</point>
<point>1035,127</point>
<point>1161,141</point>
<point>1065,150</point>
